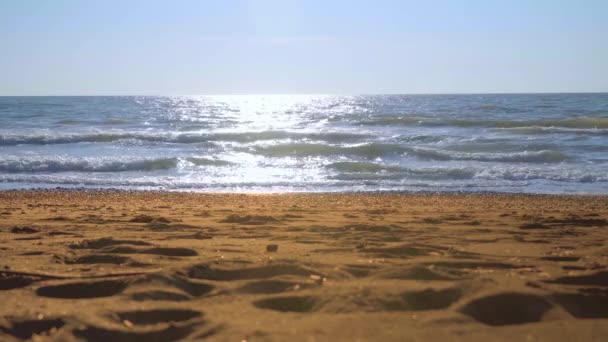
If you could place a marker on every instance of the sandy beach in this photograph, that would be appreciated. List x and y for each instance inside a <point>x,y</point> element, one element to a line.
<point>130,266</point>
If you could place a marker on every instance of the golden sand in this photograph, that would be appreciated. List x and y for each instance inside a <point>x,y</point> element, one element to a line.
<point>129,266</point>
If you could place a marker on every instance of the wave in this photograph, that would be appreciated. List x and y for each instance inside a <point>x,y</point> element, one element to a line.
<point>156,183</point>
<point>245,137</point>
<point>374,150</point>
<point>544,156</point>
<point>198,161</point>
<point>86,165</point>
<point>102,165</point>
<point>373,171</point>
<point>362,170</point>
<point>308,149</point>
<point>69,122</point>
<point>9,140</point>
<point>589,123</point>
<point>551,130</point>
<point>184,138</point>
<point>442,178</point>
<point>497,108</point>
<point>361,167</point>
<point>528,174</point>
<point>115,121</point>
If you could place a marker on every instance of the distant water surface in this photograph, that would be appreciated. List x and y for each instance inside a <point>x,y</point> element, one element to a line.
<point>535,143</point>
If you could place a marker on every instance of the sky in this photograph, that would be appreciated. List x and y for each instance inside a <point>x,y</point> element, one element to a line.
<point>183,47</point>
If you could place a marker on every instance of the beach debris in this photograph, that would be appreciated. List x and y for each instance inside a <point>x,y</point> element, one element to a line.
<point>317,279</point>
<point>272,248</point>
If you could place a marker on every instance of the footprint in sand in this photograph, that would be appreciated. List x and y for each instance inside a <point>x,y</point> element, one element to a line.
<point>404,251</point>
<point>428,299</point>
<point>14,280</point>
<point>561,258</point>
<point>104,259</point>
<point>289,304</point>
<point>507,308</point>
<point>209,272</point>
<point>9,282</point>
<point>161,287</point>
<point>105,242</point>
<point>150,325</point>
<point>249,219</point>
<point>24,230</point>
<point>26,329</point>
<point>164,251</point>
<point>359,271</point>
<point>149,219</point>
<point>417,272</point>
<point>273,286</point>
<point>171,333</point>
<point>81,290</point>
<point>584,305</point>
<point>152,317</point>
<point>109,245</point>
<point>594,279</point>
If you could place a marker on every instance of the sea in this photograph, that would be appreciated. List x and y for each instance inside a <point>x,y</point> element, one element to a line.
<point>516,143</point>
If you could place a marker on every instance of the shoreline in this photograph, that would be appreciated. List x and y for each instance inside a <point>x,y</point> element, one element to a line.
<point>129,265</point>
<point>278,193</point>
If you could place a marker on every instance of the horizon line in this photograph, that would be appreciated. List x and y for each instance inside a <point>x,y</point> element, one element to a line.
<point>317,94</point>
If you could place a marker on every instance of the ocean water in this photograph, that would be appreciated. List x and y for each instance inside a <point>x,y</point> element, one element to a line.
<point>533,143</point>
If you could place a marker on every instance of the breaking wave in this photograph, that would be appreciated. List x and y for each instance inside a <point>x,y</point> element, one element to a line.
<point>183,138</point>
<point>581,123</point>
<point>101,165</point>
<point>378,150</point>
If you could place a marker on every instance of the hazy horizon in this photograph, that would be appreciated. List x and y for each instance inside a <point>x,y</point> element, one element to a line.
<point>311,94</point>
<point>243,47</point>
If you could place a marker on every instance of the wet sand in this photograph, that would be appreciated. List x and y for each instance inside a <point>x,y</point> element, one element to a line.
<point>129,266</point>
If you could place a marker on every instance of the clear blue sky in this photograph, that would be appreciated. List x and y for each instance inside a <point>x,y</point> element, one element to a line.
<point>81,47</point>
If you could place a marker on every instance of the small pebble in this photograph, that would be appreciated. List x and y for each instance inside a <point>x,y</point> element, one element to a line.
<point>272,248</point>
